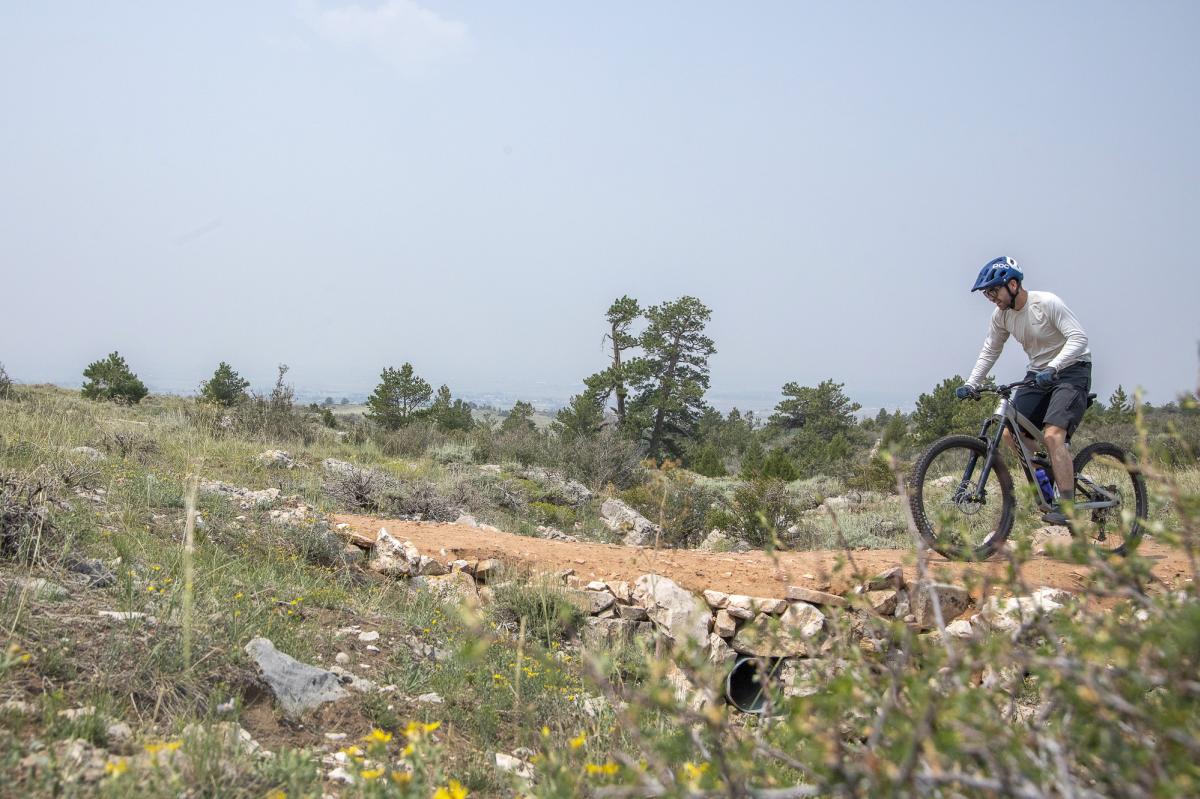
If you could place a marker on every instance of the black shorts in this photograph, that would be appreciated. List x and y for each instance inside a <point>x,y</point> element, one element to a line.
<point>1061,405</point>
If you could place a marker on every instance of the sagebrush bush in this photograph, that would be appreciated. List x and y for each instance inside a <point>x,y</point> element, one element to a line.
<point>524,445</point>
<point>412,440</point>
<point>550,617</point>
<point>362,490</point>
<point>606,459</point>
<point>760,513</point>
<point>449,452</point>
<point>375,491</point>
<point>560,516</point>
<point>6,384</point>
<point>860,529</point>
<point>422,498</point>
<point>315,543</point>
<point>258,419</point>
<point>873,474</point>
<point>26,526</point>
<point>130,444</point>
<point>811,492</point>
<point>674,499</point>
<point>1173,441</point>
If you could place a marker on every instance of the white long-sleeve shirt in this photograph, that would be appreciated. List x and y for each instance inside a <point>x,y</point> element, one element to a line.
<point>1046,328</point>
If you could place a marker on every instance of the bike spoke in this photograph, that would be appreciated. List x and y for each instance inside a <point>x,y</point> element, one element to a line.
<point>962,514</point>
<point>1110,499</point>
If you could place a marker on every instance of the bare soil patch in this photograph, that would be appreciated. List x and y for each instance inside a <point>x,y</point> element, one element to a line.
<point>756,573</point>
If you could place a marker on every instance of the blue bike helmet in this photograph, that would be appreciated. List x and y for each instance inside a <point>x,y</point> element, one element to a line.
<point>997,272</point>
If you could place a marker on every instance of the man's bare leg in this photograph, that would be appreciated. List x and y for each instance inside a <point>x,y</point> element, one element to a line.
<point>1060,459</point>
<point>1008,439</point>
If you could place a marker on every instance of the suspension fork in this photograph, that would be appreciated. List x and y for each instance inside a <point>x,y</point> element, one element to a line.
<point>990,458</point>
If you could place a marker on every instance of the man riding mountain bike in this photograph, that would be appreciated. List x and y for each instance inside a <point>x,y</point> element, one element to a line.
<point>1060,364</point>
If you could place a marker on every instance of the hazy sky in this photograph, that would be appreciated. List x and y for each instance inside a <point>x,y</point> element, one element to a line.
<point>467,186</point>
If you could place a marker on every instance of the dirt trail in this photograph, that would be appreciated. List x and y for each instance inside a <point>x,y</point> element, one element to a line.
<point>755,573</point>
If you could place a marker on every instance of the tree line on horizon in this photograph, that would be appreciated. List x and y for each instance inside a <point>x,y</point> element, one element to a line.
<point>650,393</point>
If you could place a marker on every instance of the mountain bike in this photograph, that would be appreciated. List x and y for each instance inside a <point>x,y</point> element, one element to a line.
<point>963,500</point>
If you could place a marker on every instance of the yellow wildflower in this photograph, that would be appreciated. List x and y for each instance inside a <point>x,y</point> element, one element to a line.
<point>371,773</point>
<point>578,741</point>
<point>277,794</point>
<point>545,731</point>
<point>608,769</point>
<point>454,790</point>
<point>378,736</point>
<point>402,777</point>
<point>116,767</point>
<point>692,773</point>
<point>415,729</point>
<point>163,746</point>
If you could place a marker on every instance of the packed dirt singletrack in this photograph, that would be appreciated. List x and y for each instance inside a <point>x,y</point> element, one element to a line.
<point>755,573</point>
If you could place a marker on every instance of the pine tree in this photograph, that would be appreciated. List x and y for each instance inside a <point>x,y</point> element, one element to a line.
<point>519,419</point>
<point>615,380</point>
<point>399,398</point>
<point>896,430</point>
<point>823,410</point>
<point>582,418</point>
<point>752,461</point>
<point>779,466</point>
<point>225,388</point>
<point>112,379</point>
<point>940,413</point>
<point>708,462</point>
<point>672,375</point>
<point>1120,409</point>
<point>450,414</point>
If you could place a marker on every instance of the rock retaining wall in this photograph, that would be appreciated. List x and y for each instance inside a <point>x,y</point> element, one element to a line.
<point>728,625</point>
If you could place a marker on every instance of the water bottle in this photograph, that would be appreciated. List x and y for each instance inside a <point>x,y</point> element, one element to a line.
<point>1044,483</point>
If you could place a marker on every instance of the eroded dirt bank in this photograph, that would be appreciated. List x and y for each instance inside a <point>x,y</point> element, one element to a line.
<point>755,573</point>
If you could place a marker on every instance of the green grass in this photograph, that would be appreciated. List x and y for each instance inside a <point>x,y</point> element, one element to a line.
<point>515,676</point>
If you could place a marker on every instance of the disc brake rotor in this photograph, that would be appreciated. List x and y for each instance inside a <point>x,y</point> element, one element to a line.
<point>967,504</point>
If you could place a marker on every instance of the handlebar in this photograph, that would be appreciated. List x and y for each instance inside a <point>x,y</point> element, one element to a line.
<point>1006,390</point>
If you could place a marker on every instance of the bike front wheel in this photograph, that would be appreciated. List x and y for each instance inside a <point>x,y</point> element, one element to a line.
<point>956,514</point>
<point>1111,503</point>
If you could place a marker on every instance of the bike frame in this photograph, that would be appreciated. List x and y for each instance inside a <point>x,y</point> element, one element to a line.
<point>1008,417</point>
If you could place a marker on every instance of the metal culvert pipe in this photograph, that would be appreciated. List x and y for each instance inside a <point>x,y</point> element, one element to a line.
<point>749,681</point>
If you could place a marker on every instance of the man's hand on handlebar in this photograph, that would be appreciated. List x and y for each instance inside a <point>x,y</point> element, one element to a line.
<point>1046,378</point>
<point>966,391</point>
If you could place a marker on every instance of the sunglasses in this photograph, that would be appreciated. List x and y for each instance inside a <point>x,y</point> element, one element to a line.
<point>993,292</point>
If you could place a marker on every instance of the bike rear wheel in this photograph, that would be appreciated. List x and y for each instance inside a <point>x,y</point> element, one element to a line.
<point>954,517</point>
<point>1106,473</point>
